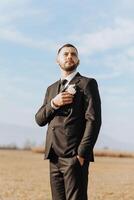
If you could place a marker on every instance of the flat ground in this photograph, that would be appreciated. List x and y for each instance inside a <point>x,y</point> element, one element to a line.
<point>24,175</point>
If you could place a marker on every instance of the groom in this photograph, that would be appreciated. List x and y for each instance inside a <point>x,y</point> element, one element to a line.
<point>72,110</point>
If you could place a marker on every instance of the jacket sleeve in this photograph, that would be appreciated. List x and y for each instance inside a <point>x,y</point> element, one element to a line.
<point>92,104</point>
<point>45,113</point>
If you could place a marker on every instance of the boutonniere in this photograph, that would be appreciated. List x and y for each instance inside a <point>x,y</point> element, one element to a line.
<point>71,89</point>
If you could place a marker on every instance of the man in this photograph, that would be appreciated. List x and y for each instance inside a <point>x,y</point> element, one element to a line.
<point>72,110</point>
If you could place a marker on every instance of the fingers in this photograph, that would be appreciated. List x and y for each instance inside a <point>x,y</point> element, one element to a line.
<point>66,98</point>
<point>67,94</point>
<point>67,101</point>
<point>81,160</point>
<point>63,98</point>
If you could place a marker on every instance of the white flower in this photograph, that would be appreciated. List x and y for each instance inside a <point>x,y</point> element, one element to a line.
<point>71,89</point>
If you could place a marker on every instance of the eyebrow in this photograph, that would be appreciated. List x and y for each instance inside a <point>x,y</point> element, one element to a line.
<point>74,53</point>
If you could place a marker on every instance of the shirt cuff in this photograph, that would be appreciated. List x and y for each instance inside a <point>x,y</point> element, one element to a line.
<point>53,106</point>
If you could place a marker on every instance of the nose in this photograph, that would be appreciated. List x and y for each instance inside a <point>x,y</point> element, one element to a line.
<point>69,55</point>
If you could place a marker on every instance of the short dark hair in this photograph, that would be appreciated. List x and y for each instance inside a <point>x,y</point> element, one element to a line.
<point>67,45</point>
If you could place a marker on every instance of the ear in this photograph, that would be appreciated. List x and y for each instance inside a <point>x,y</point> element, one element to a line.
<point>78,62</point>
<point>57,59</point>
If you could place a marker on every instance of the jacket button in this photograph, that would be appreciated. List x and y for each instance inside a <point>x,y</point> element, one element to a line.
<point>53,128</point>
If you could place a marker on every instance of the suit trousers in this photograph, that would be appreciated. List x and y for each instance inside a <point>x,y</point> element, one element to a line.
<point>68,179</point>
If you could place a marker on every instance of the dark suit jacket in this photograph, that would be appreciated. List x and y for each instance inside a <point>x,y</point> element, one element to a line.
<point>72,129</point>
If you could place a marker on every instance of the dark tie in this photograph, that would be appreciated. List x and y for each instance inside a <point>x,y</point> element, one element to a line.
<point>62,84</point>
<point>64,110</point>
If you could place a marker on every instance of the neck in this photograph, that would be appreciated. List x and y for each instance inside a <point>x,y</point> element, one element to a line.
<point>64,74</point>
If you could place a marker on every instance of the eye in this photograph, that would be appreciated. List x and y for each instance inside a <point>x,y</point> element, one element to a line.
<point>74,54</point>
<point>65,54</point>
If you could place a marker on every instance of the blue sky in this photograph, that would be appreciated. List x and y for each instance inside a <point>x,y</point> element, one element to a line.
<point>30,34</point>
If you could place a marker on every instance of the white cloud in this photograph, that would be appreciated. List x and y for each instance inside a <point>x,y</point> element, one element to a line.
<point>127,3</point>
<point>17,37</point>
<point>117,98</point>
<point>120,63</point>
<point>12,3</point>
<point>119,35</point>
<point>107,76</point>
<point>7,2</point>
<point>115,91</point>
<point>130,53</point>
<point>114,64</point>
<point>16,98</point>
<point>14,12</point>
<point>22,13</point>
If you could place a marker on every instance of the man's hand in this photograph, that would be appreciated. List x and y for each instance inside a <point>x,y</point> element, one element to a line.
<point>62,99</point>
<point>81,160</point>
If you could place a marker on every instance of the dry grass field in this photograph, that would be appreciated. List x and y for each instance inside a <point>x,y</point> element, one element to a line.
<point>24,175</point>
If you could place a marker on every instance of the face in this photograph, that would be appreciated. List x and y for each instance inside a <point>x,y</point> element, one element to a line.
<point>68,59</point>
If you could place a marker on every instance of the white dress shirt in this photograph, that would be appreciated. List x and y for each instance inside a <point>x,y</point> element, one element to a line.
<point>69,77</point>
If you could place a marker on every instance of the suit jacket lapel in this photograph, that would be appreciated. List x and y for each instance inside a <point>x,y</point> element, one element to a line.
<point>76,79</point>
<point>56,88</point>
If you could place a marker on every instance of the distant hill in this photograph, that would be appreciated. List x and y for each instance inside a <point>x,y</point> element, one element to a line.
<point>106,142</point>
<point>11,134</point>
<point>21,135</point>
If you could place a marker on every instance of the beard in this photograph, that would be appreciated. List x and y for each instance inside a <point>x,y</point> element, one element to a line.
<point>69,68</point>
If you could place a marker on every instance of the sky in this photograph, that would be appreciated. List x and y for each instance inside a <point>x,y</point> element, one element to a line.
<point>31,32</point>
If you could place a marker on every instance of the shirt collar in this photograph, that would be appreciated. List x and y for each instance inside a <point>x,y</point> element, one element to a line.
<point>70,76</point>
